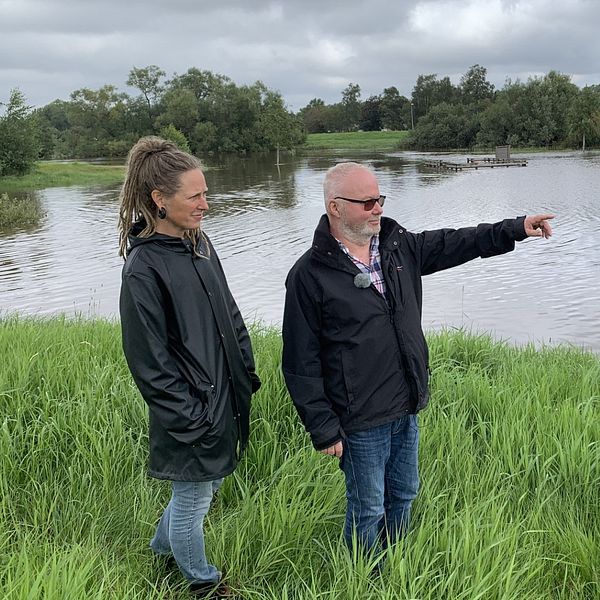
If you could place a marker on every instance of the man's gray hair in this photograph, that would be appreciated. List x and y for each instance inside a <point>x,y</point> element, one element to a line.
<point>335,175</point>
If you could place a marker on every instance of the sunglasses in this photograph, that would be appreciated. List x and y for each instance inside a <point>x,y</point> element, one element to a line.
<point>367,204</point>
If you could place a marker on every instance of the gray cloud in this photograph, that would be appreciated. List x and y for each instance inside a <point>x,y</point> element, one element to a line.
<point>304,49</point>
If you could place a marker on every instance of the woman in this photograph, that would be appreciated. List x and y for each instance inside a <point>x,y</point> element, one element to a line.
<point>186,345</point>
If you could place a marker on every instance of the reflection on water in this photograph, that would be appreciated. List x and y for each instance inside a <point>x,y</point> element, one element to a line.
<point>262,218</point>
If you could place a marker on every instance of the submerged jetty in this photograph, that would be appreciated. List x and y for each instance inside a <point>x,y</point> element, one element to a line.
<point>502,159</point>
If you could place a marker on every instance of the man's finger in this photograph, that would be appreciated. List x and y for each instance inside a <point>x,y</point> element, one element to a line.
<point>339,449</point>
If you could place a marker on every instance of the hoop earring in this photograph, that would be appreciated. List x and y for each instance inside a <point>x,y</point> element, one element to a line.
<point>162,212</point>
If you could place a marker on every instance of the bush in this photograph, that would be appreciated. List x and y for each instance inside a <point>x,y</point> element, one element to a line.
<point>117,148</point>
<point>171,133</point>
<point>445,126</point>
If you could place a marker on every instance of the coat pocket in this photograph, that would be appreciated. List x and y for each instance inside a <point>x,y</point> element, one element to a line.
<point>206,397</point>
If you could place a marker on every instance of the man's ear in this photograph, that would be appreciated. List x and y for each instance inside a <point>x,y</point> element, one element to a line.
<point>334,209</point>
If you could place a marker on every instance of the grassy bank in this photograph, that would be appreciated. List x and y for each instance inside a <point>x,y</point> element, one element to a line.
<point>356,140</point>
<point>59,174</point>
<point>19,213</point>
<point>385,141</point>
<point>508,509</point>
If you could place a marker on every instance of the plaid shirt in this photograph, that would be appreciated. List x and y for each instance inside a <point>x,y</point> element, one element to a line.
<point>374,268</point>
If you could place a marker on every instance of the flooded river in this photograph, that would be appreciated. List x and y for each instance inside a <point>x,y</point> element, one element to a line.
<point>262,218</point>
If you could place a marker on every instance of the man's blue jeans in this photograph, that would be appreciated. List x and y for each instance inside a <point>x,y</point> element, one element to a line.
<point>180,529</point>
<point>382,480</point>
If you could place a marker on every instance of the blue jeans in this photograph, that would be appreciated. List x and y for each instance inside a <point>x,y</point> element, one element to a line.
<point>382,480</point>
<point>180,529</point>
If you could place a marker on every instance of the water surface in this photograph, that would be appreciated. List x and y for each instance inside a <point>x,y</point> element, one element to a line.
<point>262,219</point>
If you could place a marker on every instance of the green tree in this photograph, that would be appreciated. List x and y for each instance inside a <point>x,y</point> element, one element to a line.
<point>314,116</point>
<point>445,126</point>
<point>52,123</point>
<point>218,116</point>
<point>584,117</point>
<point>200,104</point>
<point>203,84</point>
<point>213,113</point>
<point>280,128</point>
<point>171,133</point>
<point>148,81</point>
<point>370,114</point>
<point>351,106</point>
<point>557,93</point>
<point>429,91</point>
<point>395,110</point>
<point>235,112</point>
<point>445,91</point>
<point>423,94</point>
<point>46,135</point>
<point>529,114</point>
<point>56,113</point>
<point>336,117</point>
<point>476,91</point>
<point>19,144</point>
<point>179,108</point>
<point>497,123</point>
<point>204,137</point>
<point>97,117</point>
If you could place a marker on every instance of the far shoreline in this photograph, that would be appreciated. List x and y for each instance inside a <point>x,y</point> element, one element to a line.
<point>86,172</point>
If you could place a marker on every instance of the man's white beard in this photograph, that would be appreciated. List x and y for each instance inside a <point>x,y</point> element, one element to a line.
<point>359,235</point>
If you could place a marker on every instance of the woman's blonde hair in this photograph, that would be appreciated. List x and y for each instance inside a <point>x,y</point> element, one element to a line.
<point>152,164</point>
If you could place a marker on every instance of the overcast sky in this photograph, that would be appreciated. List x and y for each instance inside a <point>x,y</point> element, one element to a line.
<point>302,48</point>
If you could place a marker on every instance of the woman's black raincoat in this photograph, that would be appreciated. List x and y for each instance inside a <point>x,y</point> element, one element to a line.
<point>190,355</point>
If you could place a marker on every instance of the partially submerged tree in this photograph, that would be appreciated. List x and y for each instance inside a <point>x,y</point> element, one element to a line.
<point>584,116</point>
<point>279,127</point>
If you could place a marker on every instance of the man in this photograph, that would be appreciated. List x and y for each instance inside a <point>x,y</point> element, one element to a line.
<point>355,359</point>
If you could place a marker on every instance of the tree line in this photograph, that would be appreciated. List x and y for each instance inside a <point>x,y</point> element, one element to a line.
<point>201,111</point>
<point>546,111</point>
<point>204,112</point>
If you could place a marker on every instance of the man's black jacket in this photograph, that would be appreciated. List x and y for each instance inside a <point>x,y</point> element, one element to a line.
<point>347,352</point>
<point>190,355</point>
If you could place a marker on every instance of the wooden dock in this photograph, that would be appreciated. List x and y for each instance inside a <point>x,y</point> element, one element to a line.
<point>476,163</point>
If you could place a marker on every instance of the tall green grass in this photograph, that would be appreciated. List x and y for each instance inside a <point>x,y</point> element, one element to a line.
<point>19,213</point>
<point>509,506</point>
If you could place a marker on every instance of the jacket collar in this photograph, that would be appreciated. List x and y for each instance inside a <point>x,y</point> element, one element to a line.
<point>326,248</point>
<point>174,244</point>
